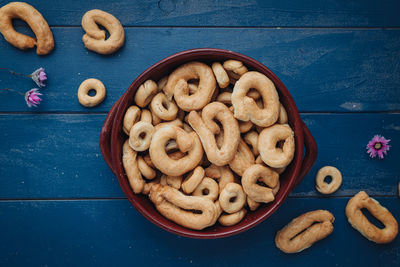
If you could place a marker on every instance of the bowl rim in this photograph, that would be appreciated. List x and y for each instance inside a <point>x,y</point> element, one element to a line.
<point>293,114</point>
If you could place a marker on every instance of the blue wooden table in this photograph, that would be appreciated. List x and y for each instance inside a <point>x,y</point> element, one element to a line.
<point>60,205</point>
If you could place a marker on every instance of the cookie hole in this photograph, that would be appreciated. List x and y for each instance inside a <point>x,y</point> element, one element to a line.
<point>171,146</point>
<point>193,84</point>
<point>302,231</point>
<point>219,139</point>
<point>101,27</point>
<point>165,104</point>
<point>372,218</point>
<point>280,144</point>
<point>142,135</point>
<point>22,27</point>
<point>261,183</point>
<point>92,92</point>
<point>205,192</point>
<point>328,179</point>
<point>194,81</point>
<point>232,199</point>
<point>196,211</point>
<point>253,93</point>
<point>190,210</point>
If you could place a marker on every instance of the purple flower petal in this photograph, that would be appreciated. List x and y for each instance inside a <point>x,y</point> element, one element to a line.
<point>32,97</point>
<point>39,77</point>
<point>383,148</point>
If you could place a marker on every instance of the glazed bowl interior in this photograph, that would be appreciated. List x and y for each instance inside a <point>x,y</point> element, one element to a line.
<point>163,68</point>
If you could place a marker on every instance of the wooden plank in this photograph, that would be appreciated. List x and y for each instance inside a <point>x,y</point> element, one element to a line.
<point>60,157</point>
<point>325,70</point>
<point>304,13</point>
<point>105,233</point>
<point>342,139</point>
<point>53,156</point>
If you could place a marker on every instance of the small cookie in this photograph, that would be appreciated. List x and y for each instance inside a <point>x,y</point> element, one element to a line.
<point>83,92</point>
<point>324,187</point>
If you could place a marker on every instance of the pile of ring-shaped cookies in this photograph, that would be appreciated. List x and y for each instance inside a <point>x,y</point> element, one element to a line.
<point>207,143</point>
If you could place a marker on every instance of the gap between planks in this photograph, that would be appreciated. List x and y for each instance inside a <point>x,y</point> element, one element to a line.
<point>242,27</point>
<point>106,112</point>
<point>124,198</point>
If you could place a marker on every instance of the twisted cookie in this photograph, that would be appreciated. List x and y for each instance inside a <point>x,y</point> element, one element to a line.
<point>18,10</point>
<point>95,39</point>
<point>178,208</point>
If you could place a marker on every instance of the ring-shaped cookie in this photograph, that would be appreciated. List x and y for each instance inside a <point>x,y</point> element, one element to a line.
<point>222,173</point>
<point>187,142</point>
<point>145,115</point>
<point>147,186</point>
<point>95,38</point>
<point>236,67</point>
<point>145,93</point>
<point>193,180</point>
<point>357,219</point>
<point>145,169</point>
<point>253,205</point>
<point>206,128</point>
<point>251,138</point>
<point>140,135</point>
<point>18,10</point>
<point>225,98</point>
<point>163,108</point>
<point>207,188</point>
<point>177,86</point>
<point>324,187</point>
<point>176,122</point>
<point>131,116</point>
<point>243,158</point>
<point>283,118</point>
<point>268,139</point>
<point>220,75</point>
<point>304,231</point>
<point>162,82</point>
<point>155,119</point>
<point>232,198</point>
<point>278,170</point>
<point>245,108</point>
<point>179,208</point>
<point>83,92</point>
<point>255,191</point>
<point>232,219</point>
<point>173,181</point>
<point>129,161</point>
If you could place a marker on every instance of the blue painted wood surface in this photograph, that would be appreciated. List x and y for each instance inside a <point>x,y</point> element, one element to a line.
<point>61,205</point>
<point>112,233</point>
<point>62,159</point>
<point>318,66</point>
<point>233,13</point>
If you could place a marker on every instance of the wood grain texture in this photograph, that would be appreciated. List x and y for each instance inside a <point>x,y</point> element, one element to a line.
<point>303,13</point>
<point>53,156</point>
<point>342,140</point>
<point>60,158</point>
<point>60,205</point>
<point>105,233</point>
<point>325,70</point>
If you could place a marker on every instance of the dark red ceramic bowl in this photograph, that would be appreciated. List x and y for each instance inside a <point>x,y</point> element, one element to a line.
<point>112,138</point>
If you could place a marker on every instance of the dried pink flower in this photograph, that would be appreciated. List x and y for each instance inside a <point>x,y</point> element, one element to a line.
<point>39,77</point>
<point>32,97</point>
<point>378,146</point>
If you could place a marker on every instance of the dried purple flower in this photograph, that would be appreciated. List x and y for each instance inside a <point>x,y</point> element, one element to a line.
<point>32,97</point>
<point>378,146</point>
<point>39,77</point>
